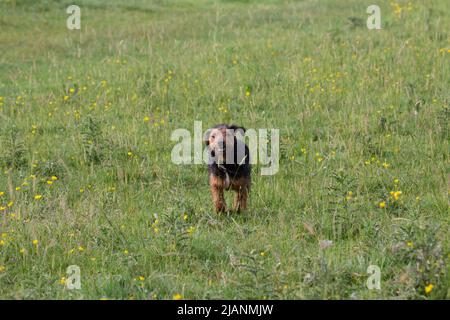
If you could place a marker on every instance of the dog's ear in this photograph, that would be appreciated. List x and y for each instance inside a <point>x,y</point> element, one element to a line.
<point>237,129</point>
<point>206,137</point>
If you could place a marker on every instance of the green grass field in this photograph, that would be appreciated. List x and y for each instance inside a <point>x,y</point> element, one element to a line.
<point>86,174</point>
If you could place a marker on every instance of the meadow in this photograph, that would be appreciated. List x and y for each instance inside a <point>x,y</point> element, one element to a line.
<point>85,151</point>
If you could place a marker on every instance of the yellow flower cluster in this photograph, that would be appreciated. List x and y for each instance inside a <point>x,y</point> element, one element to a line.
<point>396,195</point>
<point>399,9</point>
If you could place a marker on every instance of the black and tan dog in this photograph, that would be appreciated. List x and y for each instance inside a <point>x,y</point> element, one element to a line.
<point>228,166</point>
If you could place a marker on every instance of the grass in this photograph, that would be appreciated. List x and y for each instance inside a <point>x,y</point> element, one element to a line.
<point>85,124</point>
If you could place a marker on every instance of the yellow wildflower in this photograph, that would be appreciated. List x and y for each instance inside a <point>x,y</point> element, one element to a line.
<point>429,288</point>
<point>396,194</point>
<point>191,230</point>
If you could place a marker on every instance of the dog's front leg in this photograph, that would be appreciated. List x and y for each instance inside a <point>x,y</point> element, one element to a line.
<point>219,199</point>
<point>240,200</point>
<point>244,197</point>
<point>237,202</point>
<point>217,194</point>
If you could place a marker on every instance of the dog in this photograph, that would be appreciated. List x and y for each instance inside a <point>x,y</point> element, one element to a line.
<point>228,166</point>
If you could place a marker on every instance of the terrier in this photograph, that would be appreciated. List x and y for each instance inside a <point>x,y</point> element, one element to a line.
<point>228,166</point>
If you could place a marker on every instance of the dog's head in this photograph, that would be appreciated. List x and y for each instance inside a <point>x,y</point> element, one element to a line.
<point>222,138</point>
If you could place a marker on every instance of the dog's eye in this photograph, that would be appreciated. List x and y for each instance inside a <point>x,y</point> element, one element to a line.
<point>213,136</point>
